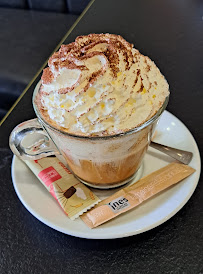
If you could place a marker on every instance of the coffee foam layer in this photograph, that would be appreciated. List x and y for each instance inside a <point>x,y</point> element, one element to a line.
<point>101,85</point>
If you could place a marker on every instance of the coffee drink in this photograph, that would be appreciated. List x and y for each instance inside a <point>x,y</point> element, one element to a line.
<point>102,93</point>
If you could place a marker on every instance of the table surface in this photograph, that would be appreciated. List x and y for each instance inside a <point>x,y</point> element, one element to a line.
<point>170,32</point>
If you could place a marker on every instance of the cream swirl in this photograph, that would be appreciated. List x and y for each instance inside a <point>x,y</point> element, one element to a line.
<point>101,85</point>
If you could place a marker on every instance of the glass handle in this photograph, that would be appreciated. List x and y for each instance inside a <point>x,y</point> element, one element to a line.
<point>30,141</point>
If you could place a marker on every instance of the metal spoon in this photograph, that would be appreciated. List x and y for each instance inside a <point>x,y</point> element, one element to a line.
<point>181,155</point>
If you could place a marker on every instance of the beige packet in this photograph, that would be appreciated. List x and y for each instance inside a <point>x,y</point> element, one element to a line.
<point>74,197</point>
<point>135,194</point>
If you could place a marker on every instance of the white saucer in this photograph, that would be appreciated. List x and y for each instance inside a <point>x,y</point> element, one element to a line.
<point>42,205</point>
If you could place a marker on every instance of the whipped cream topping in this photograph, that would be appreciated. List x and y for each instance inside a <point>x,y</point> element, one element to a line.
<point>100,85</point>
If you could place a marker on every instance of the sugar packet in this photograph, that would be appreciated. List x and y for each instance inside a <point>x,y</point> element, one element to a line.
<point>73,197</point>
<point>133,195</point>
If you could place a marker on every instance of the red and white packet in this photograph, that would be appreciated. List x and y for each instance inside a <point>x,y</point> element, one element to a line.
<point>73,197</point>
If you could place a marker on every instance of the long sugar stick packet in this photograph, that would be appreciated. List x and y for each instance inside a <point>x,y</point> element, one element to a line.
<point>73,197</point>
<point>135,194</point>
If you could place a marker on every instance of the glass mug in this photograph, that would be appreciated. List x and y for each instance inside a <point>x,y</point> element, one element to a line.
<point>101,162</point>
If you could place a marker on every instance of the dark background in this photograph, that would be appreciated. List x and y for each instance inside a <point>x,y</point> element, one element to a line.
<point>170,33</point>
<point>29,32</point>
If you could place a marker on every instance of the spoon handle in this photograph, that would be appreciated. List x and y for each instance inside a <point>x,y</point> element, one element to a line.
<point>181,155</point>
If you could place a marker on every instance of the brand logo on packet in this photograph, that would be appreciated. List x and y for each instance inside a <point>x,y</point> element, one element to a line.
<point>49,175</point>
<point>118,204</point>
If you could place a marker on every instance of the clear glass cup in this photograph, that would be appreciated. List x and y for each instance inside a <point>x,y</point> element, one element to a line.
<point>101,162</point>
